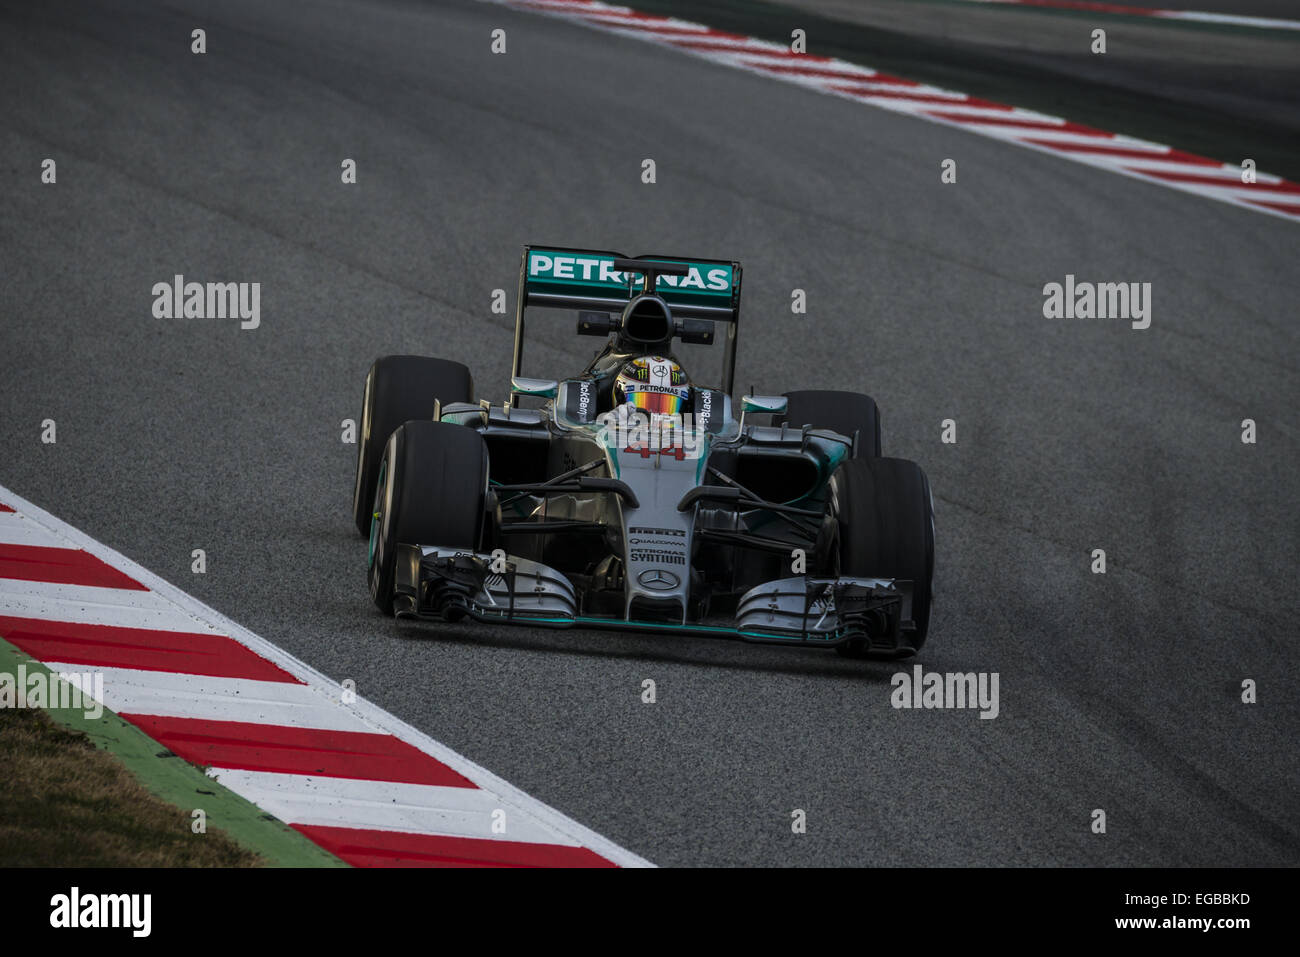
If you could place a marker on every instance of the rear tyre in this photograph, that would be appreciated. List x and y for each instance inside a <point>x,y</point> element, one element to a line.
<point>433,478</point>
<point>842,412</point>
<point>399,388</point>
<point>885,525</point>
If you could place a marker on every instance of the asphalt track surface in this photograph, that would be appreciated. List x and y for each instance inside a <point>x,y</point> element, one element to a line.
<point>1118,691</point>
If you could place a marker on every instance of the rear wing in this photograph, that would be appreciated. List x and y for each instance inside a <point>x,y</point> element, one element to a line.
<point>562,277</point>
<point>591,279</point>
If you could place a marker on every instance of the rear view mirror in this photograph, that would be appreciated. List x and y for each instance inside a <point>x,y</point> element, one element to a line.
<point>540,388</point>
<point>776,404</point>
<point>697,332</point>
<point>596,324</point>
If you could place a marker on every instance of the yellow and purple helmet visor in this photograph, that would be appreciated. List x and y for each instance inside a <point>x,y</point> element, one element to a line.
<point>657,403</point>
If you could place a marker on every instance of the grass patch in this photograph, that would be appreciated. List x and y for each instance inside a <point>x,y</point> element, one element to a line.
<point>67,803</point>
<point>77,791</point>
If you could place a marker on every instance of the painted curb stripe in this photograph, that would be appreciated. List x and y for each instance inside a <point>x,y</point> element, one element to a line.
<point>386,806</point>
<point>1283,208</point>
<point>1129,152</point>
<point>1198,16</point>
<point>278,733</point>
<point>109,646</point>
<point>1191,177</point>
<point>1114,153</point>
<point>171,695</point>
<point>66,566</point>
<point>256,747</point>
<point>389,849</point>
<point>54,601</point>
<point>14,530</point>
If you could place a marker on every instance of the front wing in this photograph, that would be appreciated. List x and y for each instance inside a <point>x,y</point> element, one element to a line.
<point>450,584</point>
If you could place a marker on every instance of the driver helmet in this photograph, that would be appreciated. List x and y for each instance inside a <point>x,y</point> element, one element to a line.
<point>653,384</point>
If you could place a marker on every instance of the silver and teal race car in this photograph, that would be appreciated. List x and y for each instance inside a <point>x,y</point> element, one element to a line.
<point>633,496</point>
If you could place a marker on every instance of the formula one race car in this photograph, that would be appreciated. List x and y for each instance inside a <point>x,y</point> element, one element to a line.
<point>630,496</point>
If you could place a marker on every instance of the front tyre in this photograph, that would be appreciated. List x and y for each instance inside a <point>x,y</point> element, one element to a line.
<point>885,526</point>
<point>399,388</point>
<point>432,479</point>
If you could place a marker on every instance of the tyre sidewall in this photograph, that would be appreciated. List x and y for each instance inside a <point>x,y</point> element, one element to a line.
<point>399,389</point>
<point>435,482</point>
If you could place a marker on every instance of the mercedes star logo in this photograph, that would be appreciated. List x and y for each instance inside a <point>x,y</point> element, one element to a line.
<point>658,578</point>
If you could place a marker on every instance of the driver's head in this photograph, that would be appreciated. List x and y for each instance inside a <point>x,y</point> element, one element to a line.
<point>653,384</point>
